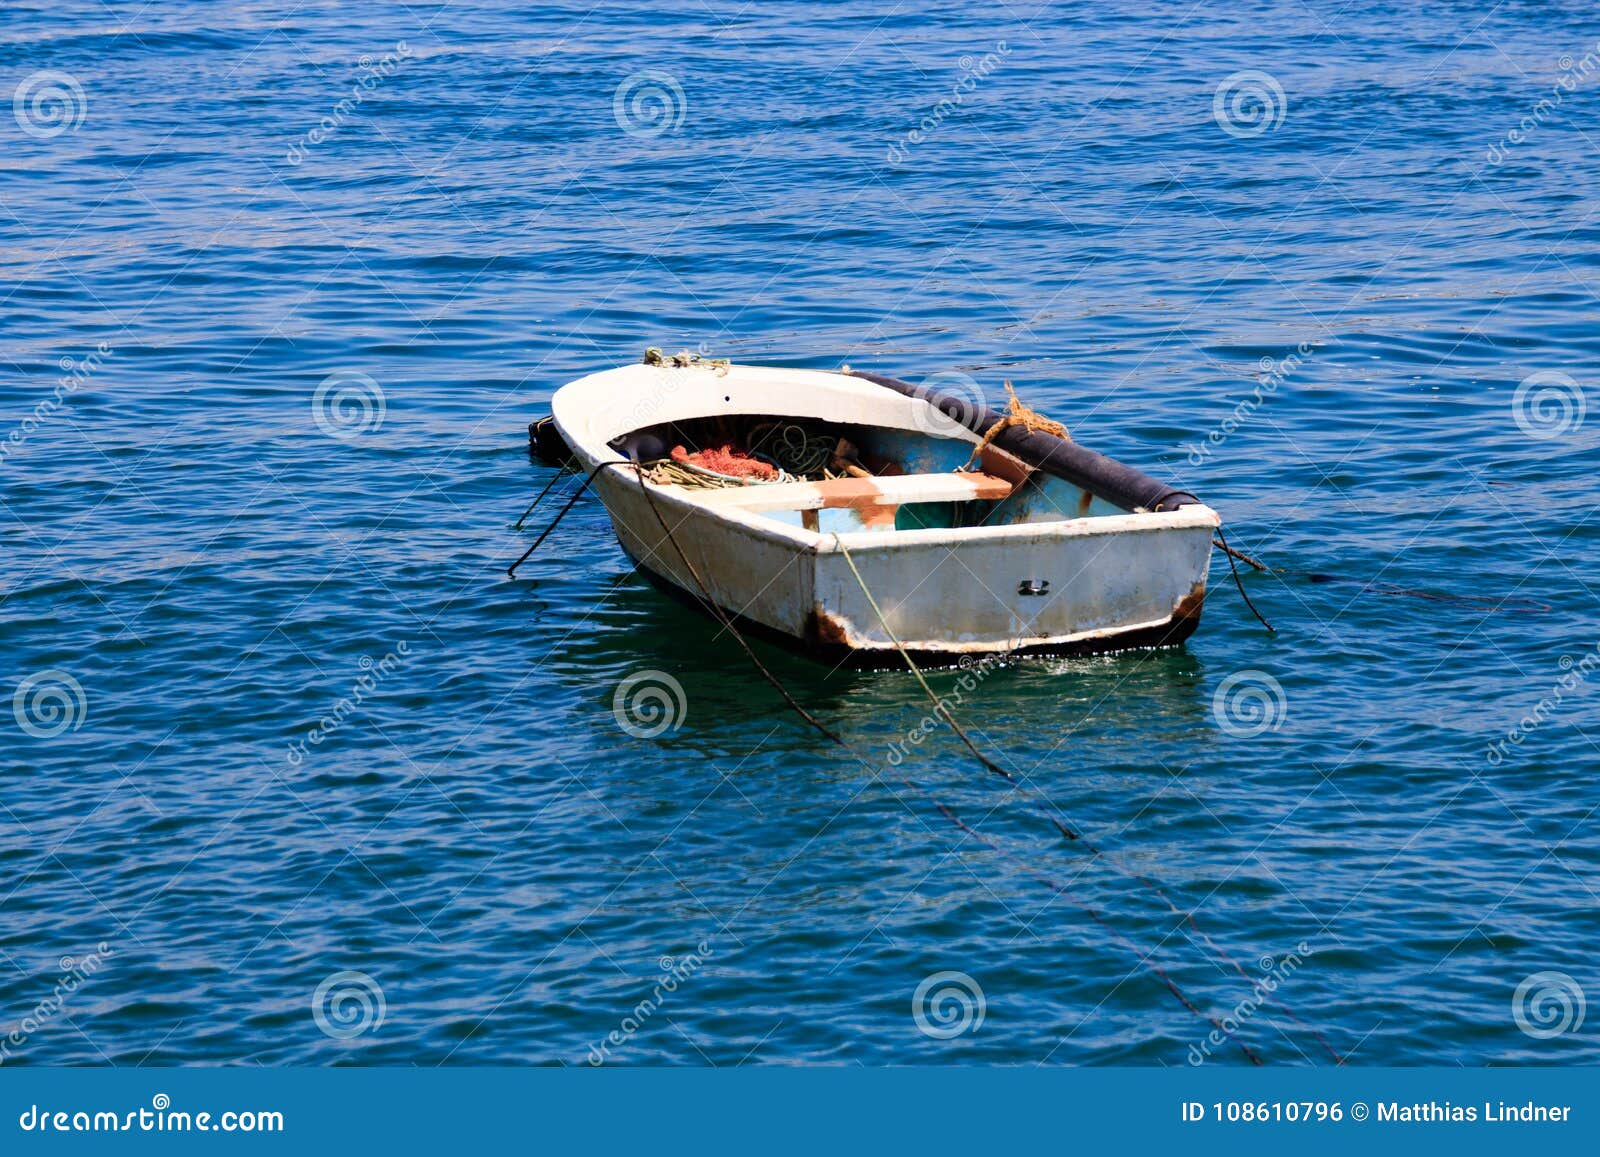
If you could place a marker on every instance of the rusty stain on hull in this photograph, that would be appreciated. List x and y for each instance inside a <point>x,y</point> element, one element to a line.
<point>824,629</point>
<point>1190,605</point>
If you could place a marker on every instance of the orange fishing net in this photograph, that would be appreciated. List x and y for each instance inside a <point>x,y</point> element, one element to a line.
<point>725,459</point>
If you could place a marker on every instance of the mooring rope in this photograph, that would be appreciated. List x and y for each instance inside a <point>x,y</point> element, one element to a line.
<point>561,472</point>
<point>937,702</point>
<point>1373,585</point>
<point>723,617</point>
<point>1239,554</point>
<point>727,622</point>
<point>1145,958</point>
<point>1044,807</point>
<point>511,571</point>
<point>1238,582</point>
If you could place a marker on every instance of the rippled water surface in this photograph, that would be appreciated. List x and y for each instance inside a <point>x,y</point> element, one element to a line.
<point>327,787</point>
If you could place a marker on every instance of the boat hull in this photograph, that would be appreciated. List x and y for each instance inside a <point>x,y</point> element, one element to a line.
<point>1102,583</point>
<point>815,645</point>
<point>1071,574</point>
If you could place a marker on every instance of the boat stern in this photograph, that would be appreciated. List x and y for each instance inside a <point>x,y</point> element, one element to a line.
<point>1066,588</point>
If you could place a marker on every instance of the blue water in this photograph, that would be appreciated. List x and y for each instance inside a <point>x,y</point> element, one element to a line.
<point>273,715</point>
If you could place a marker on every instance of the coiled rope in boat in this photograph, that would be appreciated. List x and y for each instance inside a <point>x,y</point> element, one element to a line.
<point>792,447</point>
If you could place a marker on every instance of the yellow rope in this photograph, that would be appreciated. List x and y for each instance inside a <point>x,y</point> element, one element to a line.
<point>938,704</point>
<point>1018,413</point>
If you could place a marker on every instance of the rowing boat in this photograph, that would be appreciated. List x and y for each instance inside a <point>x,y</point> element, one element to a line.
<point>856,516</point>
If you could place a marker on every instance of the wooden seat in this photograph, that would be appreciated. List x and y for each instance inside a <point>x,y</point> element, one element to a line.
<point>888,490</point>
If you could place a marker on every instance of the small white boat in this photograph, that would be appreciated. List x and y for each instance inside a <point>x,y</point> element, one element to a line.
<point>892,536</point>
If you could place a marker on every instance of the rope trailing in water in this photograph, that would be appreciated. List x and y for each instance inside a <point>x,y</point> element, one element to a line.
<point>1376,587</point>
<point>1018,413</point>
<point>1065,892</point>
<point>1238,582</point>
<point>938,703</point>
<point>725,619</point>
<point>727,622</point>
<point>511,571</point>
<point>1044,808</point>
<point>561,473</point>
<point>1533,606</point>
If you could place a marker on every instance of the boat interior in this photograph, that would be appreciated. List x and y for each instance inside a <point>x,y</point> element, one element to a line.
<point>839,477</point>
